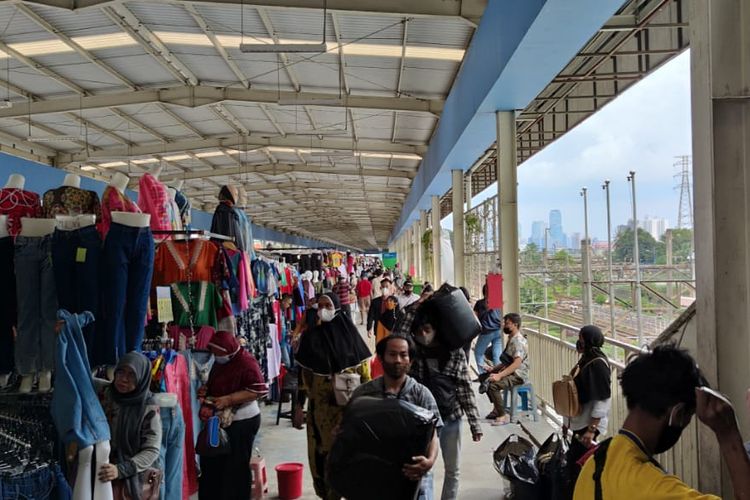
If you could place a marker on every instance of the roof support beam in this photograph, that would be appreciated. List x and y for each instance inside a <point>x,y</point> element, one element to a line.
<point>218,46</point>
<point>73,45</point>
<point>42,69</point>
<point>125,19</point>
<point>194,97</point>
<point>281,169</point>
<point>470,10</point>
<point>290,141</point>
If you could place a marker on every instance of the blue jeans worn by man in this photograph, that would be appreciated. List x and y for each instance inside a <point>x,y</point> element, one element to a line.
<point>484,341</point>
<point>450,447</point>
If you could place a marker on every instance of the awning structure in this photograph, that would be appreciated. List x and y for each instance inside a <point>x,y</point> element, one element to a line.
<point>326,144</point>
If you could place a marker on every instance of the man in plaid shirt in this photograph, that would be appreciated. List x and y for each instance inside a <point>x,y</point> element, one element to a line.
<point>446,374</point>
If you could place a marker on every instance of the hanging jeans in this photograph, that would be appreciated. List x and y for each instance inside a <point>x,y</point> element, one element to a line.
<point>75,261</point>
<point>127,267</point>
<point>7,305</point>
<point>172,456</point>
<point>45,483</point>
<point>37,305</point>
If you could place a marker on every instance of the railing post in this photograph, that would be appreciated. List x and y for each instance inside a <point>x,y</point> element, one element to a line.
<point>586,264</point>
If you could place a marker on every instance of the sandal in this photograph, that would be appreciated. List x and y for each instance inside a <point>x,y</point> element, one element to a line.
<point>499,421</point>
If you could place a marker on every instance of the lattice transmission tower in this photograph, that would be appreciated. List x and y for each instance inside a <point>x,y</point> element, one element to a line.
<point>685,213</point>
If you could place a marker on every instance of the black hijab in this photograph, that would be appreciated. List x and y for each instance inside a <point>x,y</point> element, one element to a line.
<point>132,406</point>
<point>594,378</point>
<point>334,346</point>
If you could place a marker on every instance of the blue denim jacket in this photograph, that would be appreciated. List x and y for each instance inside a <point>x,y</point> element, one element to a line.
<point>76,410</point>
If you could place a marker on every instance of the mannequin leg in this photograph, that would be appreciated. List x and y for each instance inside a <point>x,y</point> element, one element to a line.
<point>82,486</point>
<point>102,491</point>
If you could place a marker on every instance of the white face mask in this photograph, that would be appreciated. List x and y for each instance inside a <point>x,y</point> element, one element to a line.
<point>425,339</point>
<point>222,360</point>
<point>326,315</point>
<point>315,306</point>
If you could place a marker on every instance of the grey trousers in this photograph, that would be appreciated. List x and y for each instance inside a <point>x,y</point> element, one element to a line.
<point>37,305</point>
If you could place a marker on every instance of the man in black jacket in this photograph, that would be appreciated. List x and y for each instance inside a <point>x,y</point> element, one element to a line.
<point>377,307</point>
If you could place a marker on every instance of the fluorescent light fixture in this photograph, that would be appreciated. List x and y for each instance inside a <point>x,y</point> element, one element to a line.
<point>289,48</point>
<point>112,164</point>
<point>176,157</point>
<point>88,168</point>
<point>105,41</point>
<point>145,161</point>
<point>209,154</point>
<point>388,156</point>
<point>6,104</point>
<point>55,138</point>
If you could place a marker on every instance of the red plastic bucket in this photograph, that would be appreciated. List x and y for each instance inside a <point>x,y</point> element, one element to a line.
<point>289,477</point>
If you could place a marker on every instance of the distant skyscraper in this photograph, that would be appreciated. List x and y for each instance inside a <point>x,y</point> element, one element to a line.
<point>575,241</point>
<point>557,236</point>
<point>655,226</point>
<point>537,233</point>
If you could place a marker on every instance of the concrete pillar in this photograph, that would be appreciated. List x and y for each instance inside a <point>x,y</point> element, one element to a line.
<point>459,275</point>
<point>508,217</point>
<point>720,77</point>
<point>415,247</point>
<point>424,271</point>
<point>436,271</point>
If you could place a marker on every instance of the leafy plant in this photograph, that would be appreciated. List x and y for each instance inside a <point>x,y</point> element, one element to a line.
<point>471,222</point>
<point>427,242</point>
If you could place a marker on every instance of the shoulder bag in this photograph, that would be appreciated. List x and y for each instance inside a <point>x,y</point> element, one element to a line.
<point>565,392</point>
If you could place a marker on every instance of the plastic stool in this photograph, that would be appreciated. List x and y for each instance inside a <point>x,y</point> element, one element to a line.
<point>260,478</point>
<point>527,404</point>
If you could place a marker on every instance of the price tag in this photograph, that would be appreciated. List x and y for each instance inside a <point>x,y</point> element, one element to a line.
<point>164,304</point>
<point>81,255</point>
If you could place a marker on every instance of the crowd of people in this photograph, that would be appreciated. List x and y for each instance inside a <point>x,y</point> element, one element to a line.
<point>663,389</point>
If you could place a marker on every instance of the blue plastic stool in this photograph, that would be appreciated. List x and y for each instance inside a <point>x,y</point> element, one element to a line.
<point>527,404</point>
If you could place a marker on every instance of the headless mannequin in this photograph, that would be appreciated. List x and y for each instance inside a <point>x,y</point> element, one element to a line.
<point>156,170</point>
<point>179,185</point>
<point>73,222</point>
<point>15,181</point>
<point>120,182</point>
<point>172,193</point>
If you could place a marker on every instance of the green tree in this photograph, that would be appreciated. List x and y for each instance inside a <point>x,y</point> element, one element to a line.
<point>682,245</point>
<point>531,255</point>
<point>648,248</point>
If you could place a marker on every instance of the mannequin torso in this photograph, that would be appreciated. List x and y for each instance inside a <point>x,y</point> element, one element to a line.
<point>72,180</point>
<point>73,222</point>
<point>15,181</point>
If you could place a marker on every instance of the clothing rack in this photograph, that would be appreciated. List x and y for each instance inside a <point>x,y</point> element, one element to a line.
<point>194,232</point>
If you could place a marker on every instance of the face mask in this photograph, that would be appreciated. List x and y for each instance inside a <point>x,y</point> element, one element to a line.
<point>425,339</point>
<point>407,292</point>
<point>315,306</point>
<point>326,315</point>
<point>507,330</point>
<point>669,436</point>
<point>384,291</point>
<point>580,346</point>
<point>222,360</point>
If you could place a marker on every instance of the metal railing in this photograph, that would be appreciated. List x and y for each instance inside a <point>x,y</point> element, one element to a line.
<point>552,354</point>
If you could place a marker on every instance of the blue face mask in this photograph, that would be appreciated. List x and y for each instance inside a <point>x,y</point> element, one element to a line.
<point>222,360</point>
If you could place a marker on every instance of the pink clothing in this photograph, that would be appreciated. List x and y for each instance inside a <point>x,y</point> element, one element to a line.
<point>154,199</point>
<point>17,203</point>
<point>114,201</point>
<point>177,380</point>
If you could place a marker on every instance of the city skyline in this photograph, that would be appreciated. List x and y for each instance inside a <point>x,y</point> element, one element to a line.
<point>643,130</point>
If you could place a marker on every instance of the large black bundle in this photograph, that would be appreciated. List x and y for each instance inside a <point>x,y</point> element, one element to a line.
<point>377,437</point>
<point>515,460</point>
<point>455,320</point>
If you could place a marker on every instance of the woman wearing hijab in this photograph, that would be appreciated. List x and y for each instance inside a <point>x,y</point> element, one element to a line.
<point>134,422</point>
<point>387,320</point>
<point>235,383</point>
<point>333,346</point>
<point>593,379</point>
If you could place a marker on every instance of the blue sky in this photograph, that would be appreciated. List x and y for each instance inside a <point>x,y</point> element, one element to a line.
<point>642,130</point>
